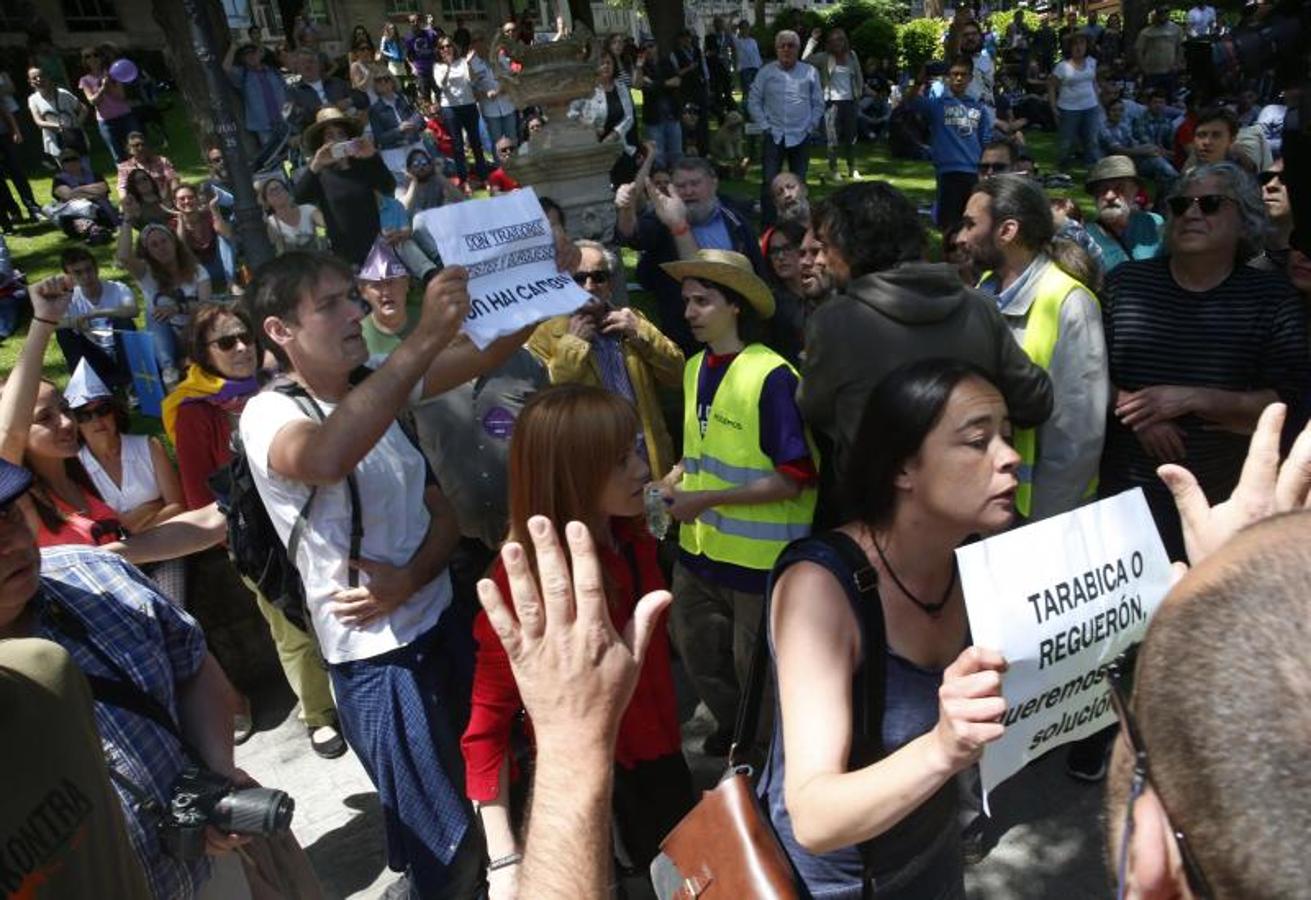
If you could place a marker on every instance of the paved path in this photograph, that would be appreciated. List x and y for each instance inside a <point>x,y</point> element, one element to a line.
<point>1046,826</point>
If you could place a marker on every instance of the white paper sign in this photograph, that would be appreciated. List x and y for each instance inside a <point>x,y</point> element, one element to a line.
<point>1060,599</point>
<point>507,245</point>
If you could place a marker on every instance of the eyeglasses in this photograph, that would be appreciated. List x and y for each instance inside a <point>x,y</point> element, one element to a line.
<point>599,276</point>
<point>1266,177</point>
<point>228,341</point>
<point>1209,204</point>
<point>85,414</point>
<point>215,160</point>
<point>505,151</point>
<point>1115,676</point>
<point>993,168</point>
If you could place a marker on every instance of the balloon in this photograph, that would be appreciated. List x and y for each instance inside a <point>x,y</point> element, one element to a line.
<point>123,71</point>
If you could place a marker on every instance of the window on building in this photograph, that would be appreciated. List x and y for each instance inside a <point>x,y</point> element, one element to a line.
<point>476,9</point>
<point>319,11</point>
<point>91,15</point>
<point>402,7</point>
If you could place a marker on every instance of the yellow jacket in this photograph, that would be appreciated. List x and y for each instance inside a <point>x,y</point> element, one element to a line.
<point>651,359</point>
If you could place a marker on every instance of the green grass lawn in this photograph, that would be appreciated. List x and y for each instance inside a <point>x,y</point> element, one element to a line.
<point>36,248</point>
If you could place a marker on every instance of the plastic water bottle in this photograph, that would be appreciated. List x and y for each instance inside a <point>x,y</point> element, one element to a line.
<point>657,512</point>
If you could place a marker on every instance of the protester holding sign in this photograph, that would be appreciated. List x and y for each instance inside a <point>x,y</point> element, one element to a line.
<point>851,803</point>
<point>746,484</point>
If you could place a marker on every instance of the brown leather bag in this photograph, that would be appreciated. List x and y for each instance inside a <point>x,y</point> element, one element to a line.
<point>725,848</point>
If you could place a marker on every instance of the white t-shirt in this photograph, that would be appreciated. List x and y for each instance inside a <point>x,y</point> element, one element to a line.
<point>189,289</point>
<point>64,108</point>
<point>113,294</point>
<point>390,479</point>
<point>981,86</point>
<point>1078,86</point>
<point>1201,20</point>
<point>839,83</point>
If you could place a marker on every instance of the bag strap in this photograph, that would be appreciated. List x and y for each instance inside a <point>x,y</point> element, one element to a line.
<point>311,408</point>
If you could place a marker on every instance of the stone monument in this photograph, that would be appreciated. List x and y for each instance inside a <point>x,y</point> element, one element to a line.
<point>564,160</point>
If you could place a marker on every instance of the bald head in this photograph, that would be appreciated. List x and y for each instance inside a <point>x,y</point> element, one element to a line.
<point>1222,696</point>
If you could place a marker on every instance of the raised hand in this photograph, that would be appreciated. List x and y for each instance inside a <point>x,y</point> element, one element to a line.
<point>445,303</point>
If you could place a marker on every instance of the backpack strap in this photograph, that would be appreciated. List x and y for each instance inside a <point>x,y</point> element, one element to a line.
<point>310,406</point>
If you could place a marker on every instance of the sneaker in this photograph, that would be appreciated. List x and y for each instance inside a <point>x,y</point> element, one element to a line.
<point>326,741</point>
<point>1086,760</point>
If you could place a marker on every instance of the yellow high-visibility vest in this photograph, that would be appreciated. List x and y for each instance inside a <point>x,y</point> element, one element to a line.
<point>729,456</point>
<point>1042,328</point>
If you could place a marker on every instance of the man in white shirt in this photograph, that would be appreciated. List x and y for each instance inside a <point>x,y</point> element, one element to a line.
<point>1201,19</point>
<point>373,535</point>
<point>98,311</point>
<point>787,104</point>
<point>982,85</point>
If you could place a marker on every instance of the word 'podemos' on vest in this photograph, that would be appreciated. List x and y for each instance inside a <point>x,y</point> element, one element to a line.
<point>728,456</point>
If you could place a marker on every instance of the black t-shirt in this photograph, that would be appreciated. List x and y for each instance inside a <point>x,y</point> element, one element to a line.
<point>659,103</point>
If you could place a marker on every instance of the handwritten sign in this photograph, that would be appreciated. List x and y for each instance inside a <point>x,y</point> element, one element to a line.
<point>508,247</point>
<point>1060,599</point>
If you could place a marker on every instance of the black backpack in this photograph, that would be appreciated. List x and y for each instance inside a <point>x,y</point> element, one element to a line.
<point>254,546</point>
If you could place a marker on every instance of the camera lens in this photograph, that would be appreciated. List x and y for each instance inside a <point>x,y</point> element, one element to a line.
<point>253,811</point>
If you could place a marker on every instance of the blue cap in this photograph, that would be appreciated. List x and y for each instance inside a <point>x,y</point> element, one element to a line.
<point>14,482</point>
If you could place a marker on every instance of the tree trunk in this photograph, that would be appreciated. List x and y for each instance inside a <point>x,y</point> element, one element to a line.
<point>933,9</point>
<point>1134,14</point>
<point>760,12</point>
<point>288,10</point>
<point>666,18</point>
<point>212,105</point>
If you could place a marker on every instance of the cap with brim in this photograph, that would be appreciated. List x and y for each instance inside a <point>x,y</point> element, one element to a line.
<point>729,269</point>
<point>14,482</point>
<point>84,386</point>
<point>312,138</point>
<point>1108,168</point>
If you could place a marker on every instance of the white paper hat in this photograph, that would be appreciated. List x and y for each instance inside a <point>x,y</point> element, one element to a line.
<point>84,386</point>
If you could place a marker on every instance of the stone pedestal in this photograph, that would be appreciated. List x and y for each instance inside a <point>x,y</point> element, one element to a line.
<point>564,161</point>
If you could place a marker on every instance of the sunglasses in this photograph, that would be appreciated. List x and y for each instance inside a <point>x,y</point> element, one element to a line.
<point>1116,674</point>
<point>1266,177</point>
<point>1209,204</point>
<point>993,168</point>
<point>90,412</point>
<point>229,341</point>
<point>783,249</point>
<point>599,276</point>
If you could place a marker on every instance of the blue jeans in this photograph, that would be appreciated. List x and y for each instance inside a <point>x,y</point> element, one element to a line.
<point>773,155</point>
<point>168,342</point>
<point>465,117</point>
<point>503,126</point>
<point>1078,125</point>
<point>114,132</point>
<point>668,139</point>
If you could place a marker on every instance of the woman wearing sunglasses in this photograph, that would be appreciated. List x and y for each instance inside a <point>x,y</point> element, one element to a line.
<point>1198,344</point>
<point>454,81</point>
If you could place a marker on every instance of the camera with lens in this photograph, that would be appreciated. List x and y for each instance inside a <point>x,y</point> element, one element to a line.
<point>201,798</point>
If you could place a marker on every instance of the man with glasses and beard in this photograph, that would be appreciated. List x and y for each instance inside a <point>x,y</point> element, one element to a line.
<point>614,347</point>
<point>675,226</point>
<point>1122,231</point>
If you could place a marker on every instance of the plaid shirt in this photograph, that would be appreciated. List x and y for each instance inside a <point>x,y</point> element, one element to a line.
<point>158,646</point>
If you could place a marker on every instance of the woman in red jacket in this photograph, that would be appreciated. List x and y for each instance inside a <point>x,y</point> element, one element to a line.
<point>573,457</point>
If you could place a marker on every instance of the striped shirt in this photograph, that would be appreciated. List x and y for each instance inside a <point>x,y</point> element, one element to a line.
<point>159,647</point>
<point>1247,334</point>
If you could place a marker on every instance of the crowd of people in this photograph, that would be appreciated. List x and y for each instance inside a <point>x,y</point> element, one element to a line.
<point>811,392</point>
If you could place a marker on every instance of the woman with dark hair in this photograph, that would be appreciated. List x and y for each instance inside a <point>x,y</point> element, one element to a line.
<point>292,226</point>
<point>875,808</point>
<point>611,112</point>
<point>746,485</point>
<point>574,457</point>
<point>454,79</point>
<point>143,204</point>
<point>360,37</point>
<point>113,111</point>
<point>199,415</point>
<point>204,231</point>
<point>781,246</point>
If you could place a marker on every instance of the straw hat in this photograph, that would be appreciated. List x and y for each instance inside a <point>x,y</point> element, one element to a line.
<point>727,269</point>
<point>1109,167</point>
<point>312,138</point>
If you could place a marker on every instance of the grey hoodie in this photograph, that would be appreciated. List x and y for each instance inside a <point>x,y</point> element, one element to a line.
<point>885,319</point>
